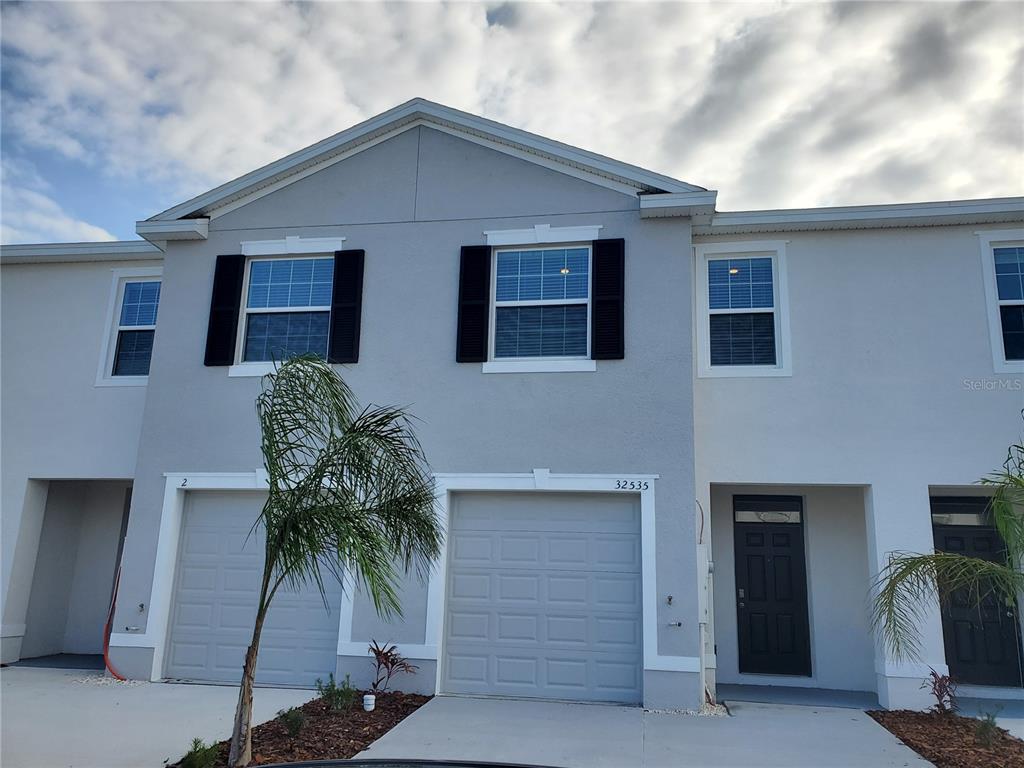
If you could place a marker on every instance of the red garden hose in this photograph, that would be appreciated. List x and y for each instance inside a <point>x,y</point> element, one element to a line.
<point>108,627</point>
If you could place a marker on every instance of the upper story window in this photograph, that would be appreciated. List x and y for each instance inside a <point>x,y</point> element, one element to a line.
<point>287,308</point>
<point>743,328</point>
<point>741,302</point>
<point>128,347</point>
<point>542,303</point>
<point>1002,261</point>
<point>136,327</point>
<point>1009,267</point>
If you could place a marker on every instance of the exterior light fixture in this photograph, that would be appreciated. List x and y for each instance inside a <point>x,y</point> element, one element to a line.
<point>564,270</point>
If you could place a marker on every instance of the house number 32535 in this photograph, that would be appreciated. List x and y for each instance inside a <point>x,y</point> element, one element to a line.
<point>631,485</point>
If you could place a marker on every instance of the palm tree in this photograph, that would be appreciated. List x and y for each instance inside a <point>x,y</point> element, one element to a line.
<point>350,491</point>
<point>907,587</point>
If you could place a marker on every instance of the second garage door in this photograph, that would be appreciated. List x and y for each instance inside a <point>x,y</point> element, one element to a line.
<point>216,591</point>
<point>544,597</point>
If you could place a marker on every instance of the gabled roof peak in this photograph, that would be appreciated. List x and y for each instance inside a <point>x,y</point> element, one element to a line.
<point>420,111</point>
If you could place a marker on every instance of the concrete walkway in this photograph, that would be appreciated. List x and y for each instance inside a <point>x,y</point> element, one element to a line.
<point>59,718</point>
<point>594,736</point>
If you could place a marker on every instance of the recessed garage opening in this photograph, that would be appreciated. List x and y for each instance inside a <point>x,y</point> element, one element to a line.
<point>217,582</point>
<point>80,542</point>
<point>543,597</point>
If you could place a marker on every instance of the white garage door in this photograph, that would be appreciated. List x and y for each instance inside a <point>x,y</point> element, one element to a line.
<point>216,590</point>
<point>544,597</point>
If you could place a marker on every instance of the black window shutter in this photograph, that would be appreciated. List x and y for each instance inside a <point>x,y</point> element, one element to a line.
<point>474,304</point>
<point>346,307</point>
<point>607,313</point>
<point>224,307</point>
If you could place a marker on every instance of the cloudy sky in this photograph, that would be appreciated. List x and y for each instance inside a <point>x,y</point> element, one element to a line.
<point>113,112</point>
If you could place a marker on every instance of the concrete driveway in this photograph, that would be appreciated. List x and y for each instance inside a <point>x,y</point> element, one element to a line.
<point>59,718</point>
<point>592,736</point>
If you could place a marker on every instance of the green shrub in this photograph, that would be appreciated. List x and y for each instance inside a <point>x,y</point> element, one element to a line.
<point>986,730</point>
<point>293,720</point>
<point>200,756</point>
<point>337,697</point>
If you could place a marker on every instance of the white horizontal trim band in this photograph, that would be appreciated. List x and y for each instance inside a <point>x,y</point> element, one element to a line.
<point>543,233</point>
<point>291,244</point>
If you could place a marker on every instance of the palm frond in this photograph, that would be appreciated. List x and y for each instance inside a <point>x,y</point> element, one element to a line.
<point>350,491</point>
<point>907,589</point>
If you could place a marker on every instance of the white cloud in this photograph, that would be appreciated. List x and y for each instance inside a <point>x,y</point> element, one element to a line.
<point>28,214</point>
<point>773,105</point>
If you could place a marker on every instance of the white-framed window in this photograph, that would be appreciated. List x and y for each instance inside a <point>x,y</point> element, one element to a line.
<point>540,308</point>
<point>127,348</point>
<point>286,308</point>
<point>1002,260</point>
<point>742,309</point>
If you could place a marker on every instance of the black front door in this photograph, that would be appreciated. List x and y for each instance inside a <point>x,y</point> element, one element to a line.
<point>771,585</point>
<point>982,641</point>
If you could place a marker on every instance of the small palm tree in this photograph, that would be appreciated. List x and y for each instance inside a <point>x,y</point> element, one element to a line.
<point>908,586</point>
<point>349,491</point>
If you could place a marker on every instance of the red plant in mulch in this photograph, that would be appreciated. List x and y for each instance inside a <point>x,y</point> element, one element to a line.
<point>950,741</point>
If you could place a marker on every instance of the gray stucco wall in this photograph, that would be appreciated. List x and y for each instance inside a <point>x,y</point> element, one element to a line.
<point>56,422</point>
<point>630,416</point>
<point>74,570</point>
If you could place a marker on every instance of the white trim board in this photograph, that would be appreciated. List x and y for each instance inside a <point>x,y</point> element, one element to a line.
<point>543,233</point>
<point>987,241</point>
<point>291,244</point>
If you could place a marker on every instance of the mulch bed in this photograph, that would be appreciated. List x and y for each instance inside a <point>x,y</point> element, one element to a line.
<point>949,741</point>
<point>326,734</point>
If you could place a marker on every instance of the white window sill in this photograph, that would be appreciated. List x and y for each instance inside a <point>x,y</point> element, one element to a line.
<point>539,366</point>
<point>250,369</point>
<point>1008,366</point>
<point>123,381</point>
<point>743,372</point>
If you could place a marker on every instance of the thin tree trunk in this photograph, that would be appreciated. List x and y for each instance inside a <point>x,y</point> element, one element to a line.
<point>240,753</point>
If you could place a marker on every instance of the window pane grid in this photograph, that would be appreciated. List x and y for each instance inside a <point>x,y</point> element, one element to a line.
<point>541,302</point>
<point>290,283</point>
<point>552,331</point>
<point>133,350</point>
<point>133,354</point>
<point>280,335</point>
<point>280,295</point>
<point>139,304</point>
<point>1009,263</point>
<point>740,283</point>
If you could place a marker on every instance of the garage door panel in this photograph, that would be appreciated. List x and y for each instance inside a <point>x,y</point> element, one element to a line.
<point>555,610</point>
<point>217,582</point>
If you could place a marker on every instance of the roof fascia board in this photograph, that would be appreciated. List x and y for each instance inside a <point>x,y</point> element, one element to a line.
<point>369,132</point>
<point>946,213</point>
<point>42,253</point>
<point>177,229</point>
<point>678,204</point>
